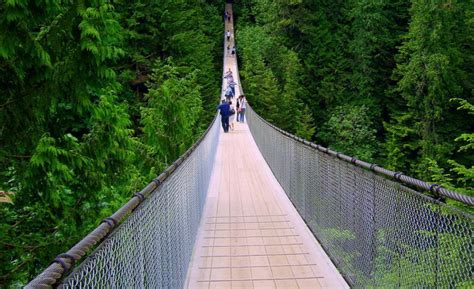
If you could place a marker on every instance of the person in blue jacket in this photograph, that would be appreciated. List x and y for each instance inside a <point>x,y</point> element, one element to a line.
<point>224,108</point>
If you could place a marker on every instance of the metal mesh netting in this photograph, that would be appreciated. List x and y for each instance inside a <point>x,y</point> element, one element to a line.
<point>152,248</point>
<point>379,233</point>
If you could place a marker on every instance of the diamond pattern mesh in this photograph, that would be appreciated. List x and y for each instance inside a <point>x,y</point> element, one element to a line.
<point>379,233</point>
<point>152,248</point>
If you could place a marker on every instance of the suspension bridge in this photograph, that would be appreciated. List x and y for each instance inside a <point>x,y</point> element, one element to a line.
<point>261,208</point>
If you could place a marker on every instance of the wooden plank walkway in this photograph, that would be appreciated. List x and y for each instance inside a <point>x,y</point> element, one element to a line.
<point>251,236</point>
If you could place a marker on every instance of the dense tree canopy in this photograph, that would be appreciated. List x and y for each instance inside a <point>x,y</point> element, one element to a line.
<point>86,91</point>
<point>385,81</point>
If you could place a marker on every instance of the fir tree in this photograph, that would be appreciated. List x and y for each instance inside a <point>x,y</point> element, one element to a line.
<point>429,74</point>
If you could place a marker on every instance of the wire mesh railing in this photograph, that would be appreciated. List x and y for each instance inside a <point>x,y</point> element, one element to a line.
<point>153,246</point>
<point>378,231</point>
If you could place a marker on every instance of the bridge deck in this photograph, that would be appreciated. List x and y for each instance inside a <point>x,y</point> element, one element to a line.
<point>251,236</point>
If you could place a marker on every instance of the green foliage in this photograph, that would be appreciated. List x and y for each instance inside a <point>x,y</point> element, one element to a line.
<point>172,112</point>
<point>92,106</point>
<point>442,264</point>
<point>464,172</point>
<point>348,131</point>
<point>401,60</point>
<point>75,143</point>
<point>270,75</point>
<point>260,84</point>
<point>380,80</point>
<point>461,177</point>
<point>429,73</point>
<point>305,128</point>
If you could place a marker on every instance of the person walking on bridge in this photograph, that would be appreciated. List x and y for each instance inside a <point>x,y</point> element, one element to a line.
<point>228,75</point>
<point>242,106</point>
<point>228,94</point>
<point>225,113</point>
<point>232,85</point>
<point>232,116</point>
<point>228,35</point>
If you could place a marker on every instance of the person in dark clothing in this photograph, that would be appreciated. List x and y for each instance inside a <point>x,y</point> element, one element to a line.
<point>237,106</point>
<point>225,113</point>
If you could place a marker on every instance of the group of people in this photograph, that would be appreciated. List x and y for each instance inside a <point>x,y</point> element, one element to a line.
<point>227,16</point>
<point>228,112</point>
<point>229,51</point>
<point>227,109</point>
<point>228,35</point>
<point>230,90</point>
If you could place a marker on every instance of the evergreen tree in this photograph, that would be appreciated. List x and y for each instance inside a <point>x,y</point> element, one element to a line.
<point>260,85</point>
<point>429,73</point>
<point>271,77</point>
<point>72,84</point>
<point>374,34</point>
<point>349,131</point>
<point>305,127</point>
<point>171,114</point>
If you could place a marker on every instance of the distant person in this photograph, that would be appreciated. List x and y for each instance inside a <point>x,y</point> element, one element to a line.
<point>237,105</point>
<point>233,50</point>
<point>242,107</point>
<point>228,94</point>
<point>228,17</point>
<point>228,35</point>
<point>225,15</point>
<point>228,75</point>
<point>232,85</point>
<point>228,49</point>
<point>225,113</point>
<point>232,116</point>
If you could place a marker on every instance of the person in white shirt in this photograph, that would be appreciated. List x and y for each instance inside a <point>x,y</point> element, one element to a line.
<point>232,116</point>
<point>242,106</point>
<point>228,35</point>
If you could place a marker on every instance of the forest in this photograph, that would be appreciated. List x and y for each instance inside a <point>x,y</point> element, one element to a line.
<point>98,97</point>
<point>386,81</point>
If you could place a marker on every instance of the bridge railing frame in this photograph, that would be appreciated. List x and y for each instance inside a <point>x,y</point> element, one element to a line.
<point>438,191</point>
<point>64,263</point>
<point>380,228</point>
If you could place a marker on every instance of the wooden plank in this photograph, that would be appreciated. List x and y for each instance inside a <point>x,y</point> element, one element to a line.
<point>251,236</point>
